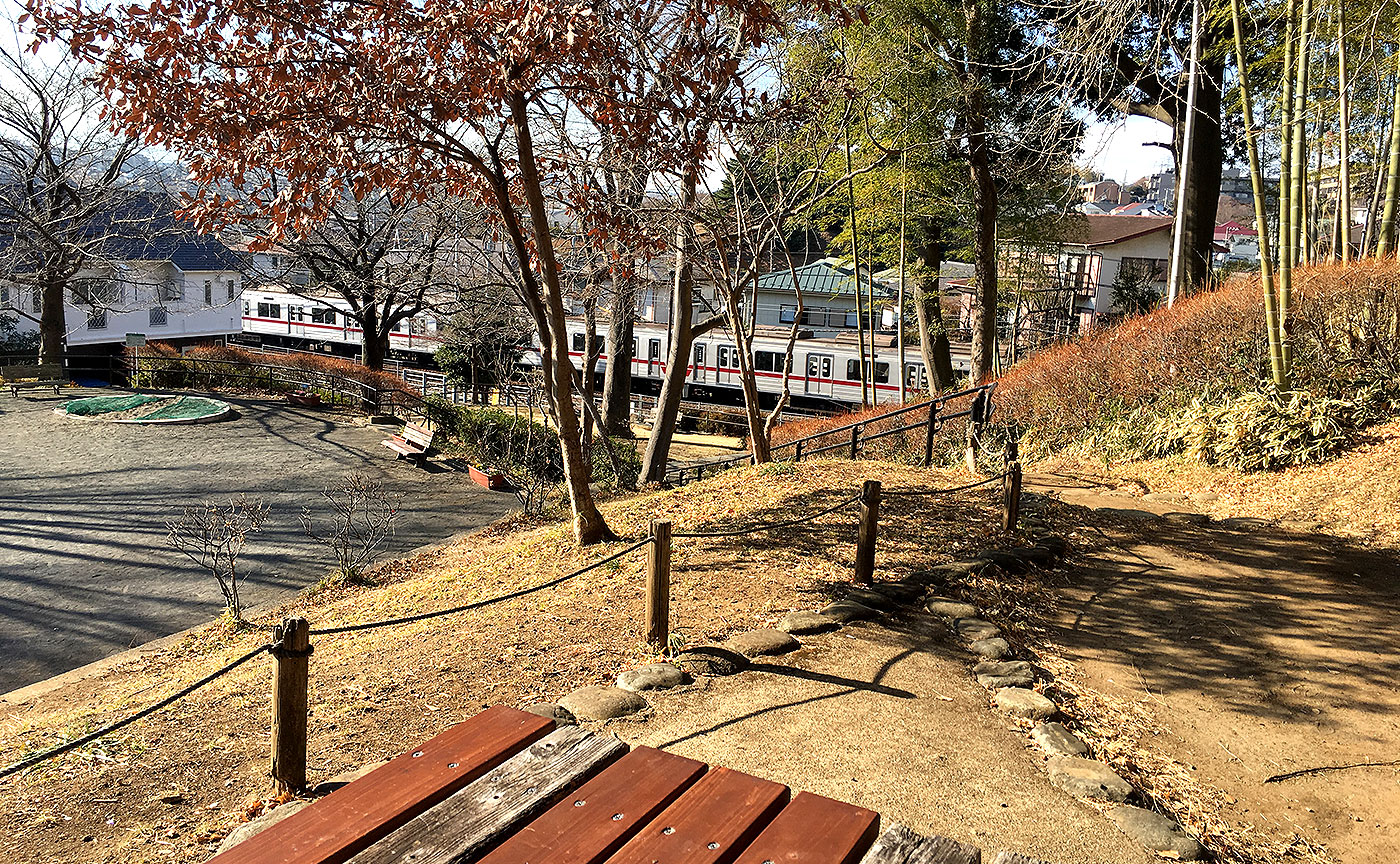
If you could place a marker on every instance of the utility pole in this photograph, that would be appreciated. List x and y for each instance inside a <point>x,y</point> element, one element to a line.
<point>1175,288</point>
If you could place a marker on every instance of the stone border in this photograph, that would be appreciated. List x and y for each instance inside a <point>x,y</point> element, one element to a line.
<point>62,411</point>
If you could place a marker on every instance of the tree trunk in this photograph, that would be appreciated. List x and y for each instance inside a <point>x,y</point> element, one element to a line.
<point>1298,163</point>
<point>589,526</point>
<point>1385,244</point>
<point>53,325</point>
<point>1344,161</point>
<point>617,379</point>
<point>375,345</point>
<point>984,203</point>
<point>933,333</point>
<point>855,267</point>
<point>668,404</point>
<point>1207,158</point>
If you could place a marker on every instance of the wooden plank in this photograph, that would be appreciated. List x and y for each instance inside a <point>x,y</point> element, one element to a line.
<point>479,815</point>
<point>847,831</point>
<point>355,816</point>
<point>1005,857</point>
<point>710,824</point>
<point>592,823</point>
<point>899,845</point>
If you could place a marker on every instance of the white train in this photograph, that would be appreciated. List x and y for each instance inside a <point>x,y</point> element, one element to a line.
<point>291,321</point>
<point>825,371</point>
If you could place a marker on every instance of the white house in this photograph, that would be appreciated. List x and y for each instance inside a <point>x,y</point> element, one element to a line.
<point>180,290</point>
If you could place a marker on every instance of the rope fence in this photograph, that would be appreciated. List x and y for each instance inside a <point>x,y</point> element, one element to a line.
<point>291,648</point>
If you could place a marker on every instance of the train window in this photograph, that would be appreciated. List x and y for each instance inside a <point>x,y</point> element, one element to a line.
<point>654,349</point>
<point>852,371</point>
<point>322,315</point>
<point>882,373</point>
<point>768,361</point>
<point>246,308</point>
<point>270,310</point>
<point>634,347</point>
<point>578,342</point>
<point>722,357</point>
<point>787,314</point>
<point>417,326</point>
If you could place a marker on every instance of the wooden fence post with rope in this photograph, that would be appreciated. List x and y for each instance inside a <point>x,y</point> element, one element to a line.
<point>658,594</point>
<point>930,431</point>
<point>292,651</point>
<point>869,532</point>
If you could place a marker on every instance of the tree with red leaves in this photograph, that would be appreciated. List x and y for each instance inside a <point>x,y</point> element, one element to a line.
<point>406,95</point>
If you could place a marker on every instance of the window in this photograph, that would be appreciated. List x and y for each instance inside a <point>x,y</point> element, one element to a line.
<point>97,319</point>
<point>882,373</point>
<point>92,292</point>
<point>852,371</point>
<point>768,361</point>
<point>322,315</point>
<point>246,310</point>
<point>172,292</point>
<point>1143,269</point>
<point>722,357</point>
<point>417,326</point>
<point>208,293</point>
<point>578,343</point>
<point>270,310</point>
<point>815,317</point>
<point>787,314</point>
<point>294,313</point>
<point>4,296</point>
<point>158,316</point>
<point>852,319</point>
<point>232,289</point>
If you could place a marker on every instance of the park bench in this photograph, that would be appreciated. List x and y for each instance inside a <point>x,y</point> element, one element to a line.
<point>413,442</point>
<point>507,787</point>
<point>35,375</point>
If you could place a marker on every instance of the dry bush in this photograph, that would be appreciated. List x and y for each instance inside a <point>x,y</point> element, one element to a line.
<point>362,520</point>
<point>162,365</point>
<point>213,536</point>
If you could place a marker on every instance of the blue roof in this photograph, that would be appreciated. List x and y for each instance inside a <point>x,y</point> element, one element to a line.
<point>828,277</point>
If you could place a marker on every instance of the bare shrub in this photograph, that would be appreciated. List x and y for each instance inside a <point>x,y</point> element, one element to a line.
<point>362,519</point>
<point>213,536</point>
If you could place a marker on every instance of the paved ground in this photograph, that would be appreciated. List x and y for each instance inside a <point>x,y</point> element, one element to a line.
<point>887,716</point>
<point>84,570</point>
<point>1257,652</point>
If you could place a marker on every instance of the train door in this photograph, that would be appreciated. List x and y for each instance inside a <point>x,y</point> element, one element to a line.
<point>698,373</point>
<point>654,358</point>
<point>915,379</point>
<point>819,381</point>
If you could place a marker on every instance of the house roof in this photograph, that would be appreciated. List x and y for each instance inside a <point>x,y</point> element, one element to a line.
<point>1094,231</point>
<point>1225,229</point>
<point>828,277</point>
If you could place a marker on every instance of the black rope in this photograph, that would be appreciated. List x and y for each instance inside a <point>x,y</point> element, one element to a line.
<point>31,761</point>
<point>467,607</point>
<point>913,492</point>
<point>754,529</point>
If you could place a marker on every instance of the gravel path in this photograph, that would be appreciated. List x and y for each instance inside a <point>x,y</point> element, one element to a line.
<point>84,569</point>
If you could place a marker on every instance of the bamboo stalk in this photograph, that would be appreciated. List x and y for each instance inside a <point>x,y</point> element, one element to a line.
<point>1272,319</point>
<point>1344,168</point>
<point>1386,244</point>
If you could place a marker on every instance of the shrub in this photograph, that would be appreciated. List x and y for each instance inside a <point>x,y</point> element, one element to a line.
<point>160,365</point>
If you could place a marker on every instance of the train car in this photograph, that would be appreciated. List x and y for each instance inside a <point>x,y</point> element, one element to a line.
<point>825,371</point>
<point>291,321</point>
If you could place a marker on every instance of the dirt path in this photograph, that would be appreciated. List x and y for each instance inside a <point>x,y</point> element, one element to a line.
<point>1254,653</point>
<point>886,716</point>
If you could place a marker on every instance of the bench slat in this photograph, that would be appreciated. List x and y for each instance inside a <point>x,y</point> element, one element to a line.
<point>725,810</point>
<point>899,845</point>
<point>846,832</point>
<point>471,820</point>
<point>355,816</point>
<point>638,786</point>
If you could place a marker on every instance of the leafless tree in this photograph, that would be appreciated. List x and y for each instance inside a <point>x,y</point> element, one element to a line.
<point>213,536</point>
<point>362,519</point>
<point>74,198</point>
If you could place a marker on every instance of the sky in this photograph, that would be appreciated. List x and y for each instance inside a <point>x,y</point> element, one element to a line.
<point>1117,150</point>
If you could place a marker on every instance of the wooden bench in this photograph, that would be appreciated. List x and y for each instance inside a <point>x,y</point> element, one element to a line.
<point>502,788</point>
<point>37,375</point>
<point>413,442</point>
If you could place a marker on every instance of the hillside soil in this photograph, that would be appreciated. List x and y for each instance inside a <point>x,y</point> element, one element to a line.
<point>168,787</point>
<point>1221,657</point>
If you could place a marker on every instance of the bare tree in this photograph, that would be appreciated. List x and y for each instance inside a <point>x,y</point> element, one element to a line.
<point>213,536</point>
<point>387,260</point>
<point>362,519</point>
<point>72,194</point>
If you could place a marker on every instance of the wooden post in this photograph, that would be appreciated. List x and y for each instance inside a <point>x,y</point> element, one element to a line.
<point>1011,495</point>
<point>798,457</point>
<point>869,531</point>
<point>930,432</point>
<point>658,623</point>
<point>292,651</point>
<point>855,441</point>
